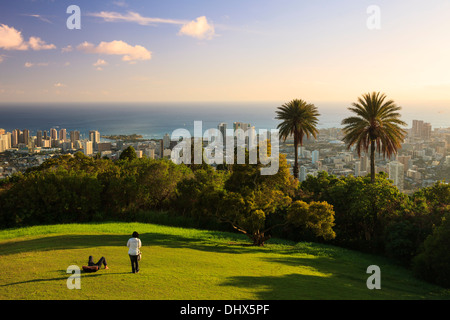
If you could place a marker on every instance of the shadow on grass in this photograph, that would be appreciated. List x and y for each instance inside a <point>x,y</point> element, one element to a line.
<point>67,242</point>
<point>286,287</point>
<point>64,276</point>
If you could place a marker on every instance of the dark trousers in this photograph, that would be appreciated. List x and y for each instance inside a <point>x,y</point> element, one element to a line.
<point>134,263</point>
<point>100,262</point>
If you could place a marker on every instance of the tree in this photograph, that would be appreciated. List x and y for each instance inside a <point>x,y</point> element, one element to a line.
<point>316,216</point>
<point>433,263</point>
<point>128,154</point>
<point>249,198</point>
<point>376,125</point>
<point>299,118</point>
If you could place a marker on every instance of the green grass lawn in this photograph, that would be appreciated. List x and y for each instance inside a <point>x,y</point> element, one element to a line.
<point>190,264</point>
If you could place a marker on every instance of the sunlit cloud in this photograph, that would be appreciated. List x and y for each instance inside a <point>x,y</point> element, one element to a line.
<point>37,44</point>
<point>199,28</point>
<point>117,47</point>
<point>99,64</point>
<point>12,39</point>
<point>38,16</point>
<point>133,17</point>
<point>40,64</point>
<point>69,48</point>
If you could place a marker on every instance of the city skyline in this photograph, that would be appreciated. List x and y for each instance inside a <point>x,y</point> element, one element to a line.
<point>422,160</point>
<point>240,51</point>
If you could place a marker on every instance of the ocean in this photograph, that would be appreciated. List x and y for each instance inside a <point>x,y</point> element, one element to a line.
<point>153,120</point>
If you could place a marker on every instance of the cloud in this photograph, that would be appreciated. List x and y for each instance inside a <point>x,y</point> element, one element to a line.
<point>59,85</point>
<point>122,4</point>
<point>38,16</point>
<point>1,59</point>
<point>99,64</point>
<point>40,64</point>
<point>67,49</point>
<point>128,52</point>
<point>133,17</point>
<point>37,44</point>
<point>11,39</point>
<point>199,28</point>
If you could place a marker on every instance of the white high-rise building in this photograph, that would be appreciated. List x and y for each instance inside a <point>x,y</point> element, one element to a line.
<point>301,151</point>
<point>303,173</point>
<point>5,142</point>
<point>396,174</point>
<point>315,156</point>
<point>88,148</point>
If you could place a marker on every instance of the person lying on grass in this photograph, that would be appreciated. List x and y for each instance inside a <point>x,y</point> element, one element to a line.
<point>94,267</point>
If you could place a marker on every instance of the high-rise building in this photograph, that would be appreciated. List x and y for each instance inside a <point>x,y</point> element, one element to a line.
<point>241,135</point>
<point>15,138</point>
<point>315,156</point>
<point>421,129</point>
<point>94,137</point>
<point>166,141</point>
<point>303,173</point>
<point>396,174</point>
<point>53,134</point>
<point>222,127</point>
<point>252,139</point>
<point>426,131</point>
<point>74,136</point>
<point>104,146</point>
<point>39,139</point>
<point>25,136</point>
<point>5,141</point>
<point>357,168</point>
<point>417,128</point>
<point>63,135</point>
<point>365,163</point>
<point>405,160</point>
<point>88,148</point>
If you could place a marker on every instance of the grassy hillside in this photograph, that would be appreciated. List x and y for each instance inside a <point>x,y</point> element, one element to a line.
<point>190,264</point>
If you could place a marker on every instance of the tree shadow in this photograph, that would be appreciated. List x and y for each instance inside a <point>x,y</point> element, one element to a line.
<point>68,242</point>
<point>64,276</point>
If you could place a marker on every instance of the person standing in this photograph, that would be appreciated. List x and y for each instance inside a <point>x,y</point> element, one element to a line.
<point>134,244</point>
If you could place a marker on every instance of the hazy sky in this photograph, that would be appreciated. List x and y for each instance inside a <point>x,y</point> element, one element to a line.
<point>234,50</point>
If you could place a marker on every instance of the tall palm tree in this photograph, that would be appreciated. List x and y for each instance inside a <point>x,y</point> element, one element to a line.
<point>299,118</point>
<point>376,125</point>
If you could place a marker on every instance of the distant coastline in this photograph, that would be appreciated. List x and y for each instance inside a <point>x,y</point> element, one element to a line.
<point>126,138</point>
<point>154,120</point>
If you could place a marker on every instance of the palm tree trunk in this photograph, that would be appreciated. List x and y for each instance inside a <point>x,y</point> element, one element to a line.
<point>296,156</point>
<point>372,161</point>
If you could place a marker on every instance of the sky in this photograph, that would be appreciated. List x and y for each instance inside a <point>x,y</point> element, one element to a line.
<point>234,50</point>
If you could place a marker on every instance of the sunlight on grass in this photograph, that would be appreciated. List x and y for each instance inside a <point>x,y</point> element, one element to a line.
<point>194,264</point>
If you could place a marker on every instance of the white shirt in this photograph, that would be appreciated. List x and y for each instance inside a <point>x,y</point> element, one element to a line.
<point>134,244</point>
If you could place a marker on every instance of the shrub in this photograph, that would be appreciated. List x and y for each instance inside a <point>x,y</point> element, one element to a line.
<point>433,262</point>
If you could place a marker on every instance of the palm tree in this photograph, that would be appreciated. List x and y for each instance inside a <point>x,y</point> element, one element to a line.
<point>299,118</point>
<point>376,125</point>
